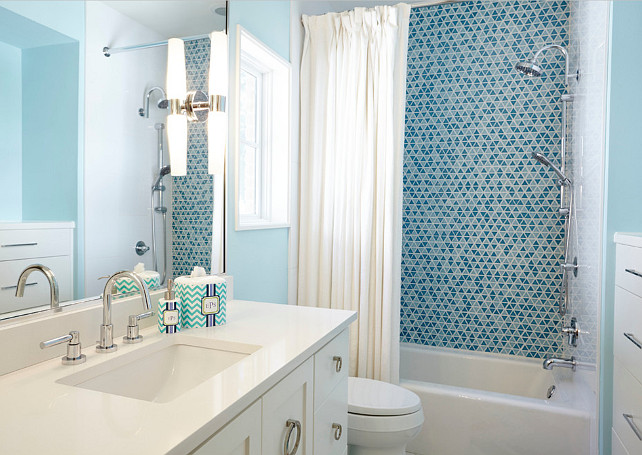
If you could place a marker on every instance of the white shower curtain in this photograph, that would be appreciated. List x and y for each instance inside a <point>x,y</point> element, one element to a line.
<point>353,88</point>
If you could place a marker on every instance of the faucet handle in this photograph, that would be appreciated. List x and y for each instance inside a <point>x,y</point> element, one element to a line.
<point>74,349</point>
<point>133,335</point>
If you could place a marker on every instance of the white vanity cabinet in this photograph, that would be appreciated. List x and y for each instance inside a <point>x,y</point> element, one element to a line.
<point>23,244</point>
<point>627,343</point>
<point>242,436</point>
<point>309,404</point>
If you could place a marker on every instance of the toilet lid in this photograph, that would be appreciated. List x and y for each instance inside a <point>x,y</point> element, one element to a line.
<point>376,398</point>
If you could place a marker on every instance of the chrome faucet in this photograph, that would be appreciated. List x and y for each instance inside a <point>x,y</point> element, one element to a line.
<point>54,300</point>
<point>106,343</point>
<point>565,363</point>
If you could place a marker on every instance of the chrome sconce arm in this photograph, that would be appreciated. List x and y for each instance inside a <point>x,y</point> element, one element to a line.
<point>197,105</point>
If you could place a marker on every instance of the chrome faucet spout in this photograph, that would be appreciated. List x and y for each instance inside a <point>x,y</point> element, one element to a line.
<point>552,362</point>
<point>106,343</point>
<point>54,299</point>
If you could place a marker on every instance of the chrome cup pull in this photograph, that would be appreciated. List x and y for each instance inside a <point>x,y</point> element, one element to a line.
<point>634,427</point>
<point>634,272</point>
<point>338,363</point>
<point>633,339</point>
<point>292,425</point>
<point>338,430</point>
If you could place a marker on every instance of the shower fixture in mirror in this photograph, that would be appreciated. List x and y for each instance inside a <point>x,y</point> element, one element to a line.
<point>86,190</point>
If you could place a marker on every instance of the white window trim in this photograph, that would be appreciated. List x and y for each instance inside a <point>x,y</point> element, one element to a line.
<point>266,219</point>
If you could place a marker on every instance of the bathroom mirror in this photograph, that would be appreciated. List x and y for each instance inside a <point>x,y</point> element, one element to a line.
<point>84,142</point>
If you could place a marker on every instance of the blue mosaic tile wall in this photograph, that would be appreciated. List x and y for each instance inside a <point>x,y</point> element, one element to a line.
<point>193,194</point>
<point>482,239</point>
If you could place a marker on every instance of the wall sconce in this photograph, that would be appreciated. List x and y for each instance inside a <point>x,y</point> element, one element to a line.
<point>197,106</point>
<point>176,92</point>
<point>217,121</point>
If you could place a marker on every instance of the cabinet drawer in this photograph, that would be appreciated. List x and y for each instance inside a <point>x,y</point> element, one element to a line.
<point>628,268</point>
<point>618,448</point>
<point>34,243</point>
<point>627,400</point>
<point>326,376</point>
<point>35,294</point>
<point>334,411</point>
<point>628,320</point>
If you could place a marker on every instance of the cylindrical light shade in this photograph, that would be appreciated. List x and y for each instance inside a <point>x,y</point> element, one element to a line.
<point>217,120</point>
<point>176,74</point>
<point>176,122</point>
<point>177,142</point>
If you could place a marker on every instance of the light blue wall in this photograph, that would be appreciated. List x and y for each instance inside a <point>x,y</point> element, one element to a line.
<point>66,17</point>
<point>258,260</point>
<point>623,196</point>
<point>66,21</point>
<point>50,133</point>
<point>10,127</point>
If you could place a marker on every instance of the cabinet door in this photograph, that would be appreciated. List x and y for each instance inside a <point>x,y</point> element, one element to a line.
<point>242,436</point>
<point>289,401</point>
<point>331,422</point>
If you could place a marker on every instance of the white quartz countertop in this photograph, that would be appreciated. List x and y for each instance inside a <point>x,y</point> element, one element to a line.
<point>628,238</point>
<point>41,416</point>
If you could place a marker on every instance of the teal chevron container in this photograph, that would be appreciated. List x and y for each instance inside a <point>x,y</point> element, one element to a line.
<point>127,286</point>
<point>203,300</point>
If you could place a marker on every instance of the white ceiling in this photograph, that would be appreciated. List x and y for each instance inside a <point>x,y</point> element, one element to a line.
<point>174,18</point>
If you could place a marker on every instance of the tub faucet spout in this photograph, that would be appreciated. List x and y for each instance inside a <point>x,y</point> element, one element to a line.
<point>565,363</point>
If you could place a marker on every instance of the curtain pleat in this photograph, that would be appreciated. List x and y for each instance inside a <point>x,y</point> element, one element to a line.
<point>352,123</point>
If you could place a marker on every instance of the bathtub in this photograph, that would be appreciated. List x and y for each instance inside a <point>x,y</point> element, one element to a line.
<point>481,404</point>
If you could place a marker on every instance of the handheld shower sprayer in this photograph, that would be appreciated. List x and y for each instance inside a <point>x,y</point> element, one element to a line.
<point>162,173</point>
<point>546,162</point>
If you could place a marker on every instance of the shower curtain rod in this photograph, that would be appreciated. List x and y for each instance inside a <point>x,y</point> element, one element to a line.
<point>108,51</point>
<point>433,3</point>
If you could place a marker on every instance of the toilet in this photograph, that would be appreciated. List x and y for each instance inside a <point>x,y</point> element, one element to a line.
<point>382,417</point>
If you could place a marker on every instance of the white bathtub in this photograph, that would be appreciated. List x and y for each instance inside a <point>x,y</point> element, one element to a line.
<point>480,404</point>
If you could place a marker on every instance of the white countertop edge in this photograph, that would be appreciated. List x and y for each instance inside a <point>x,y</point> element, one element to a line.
<point>628,238</point>
<point>29,225</point>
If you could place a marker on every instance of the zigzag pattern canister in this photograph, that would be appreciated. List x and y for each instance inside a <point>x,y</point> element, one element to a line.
<point>203,304</point>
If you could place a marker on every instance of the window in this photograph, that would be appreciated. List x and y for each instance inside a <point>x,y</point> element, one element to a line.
<point>263,146</point>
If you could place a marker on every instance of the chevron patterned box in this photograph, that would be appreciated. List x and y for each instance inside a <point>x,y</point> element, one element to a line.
<point>203,299</point>
<point>126,286</point>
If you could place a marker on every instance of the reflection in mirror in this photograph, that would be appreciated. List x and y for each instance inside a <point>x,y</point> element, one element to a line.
<point>85,190</point>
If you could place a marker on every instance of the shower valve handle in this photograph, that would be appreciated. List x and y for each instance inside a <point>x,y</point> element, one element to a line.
<point>141,248</point>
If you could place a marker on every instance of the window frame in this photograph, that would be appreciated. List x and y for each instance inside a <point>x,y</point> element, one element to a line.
<point>274,120</point>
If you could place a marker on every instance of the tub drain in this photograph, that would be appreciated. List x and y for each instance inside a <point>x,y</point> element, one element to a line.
<point>550,392</point>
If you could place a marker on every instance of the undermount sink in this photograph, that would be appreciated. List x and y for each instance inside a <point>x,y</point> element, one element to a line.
<point>163,370</point>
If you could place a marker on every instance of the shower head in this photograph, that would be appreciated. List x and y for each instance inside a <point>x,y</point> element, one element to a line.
<point>532,69</point>
<point>165,170</point>
<point>529,68</point>
<point>545,161</point>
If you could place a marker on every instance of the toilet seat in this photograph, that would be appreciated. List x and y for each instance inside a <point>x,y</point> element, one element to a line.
<point>386,424</point>
<point>368,397</point>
